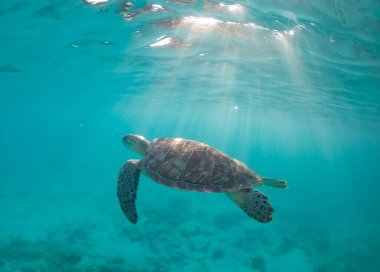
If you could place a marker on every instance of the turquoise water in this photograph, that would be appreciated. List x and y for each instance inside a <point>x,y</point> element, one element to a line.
<point>289,87</point>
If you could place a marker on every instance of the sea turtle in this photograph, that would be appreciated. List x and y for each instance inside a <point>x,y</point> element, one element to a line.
<point>191,165</point>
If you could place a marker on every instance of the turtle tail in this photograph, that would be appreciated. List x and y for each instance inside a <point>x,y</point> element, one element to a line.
<point>275,183</point>
<point>127,189</point>
<point>254,203</point>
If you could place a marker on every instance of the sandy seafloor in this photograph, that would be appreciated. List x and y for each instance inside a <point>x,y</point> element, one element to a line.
<point>289,87</point>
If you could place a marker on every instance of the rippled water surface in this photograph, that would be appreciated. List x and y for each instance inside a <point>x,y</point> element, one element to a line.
<point>291,88</point>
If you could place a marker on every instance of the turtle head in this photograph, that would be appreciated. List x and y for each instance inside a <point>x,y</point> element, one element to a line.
<point>136,143</point>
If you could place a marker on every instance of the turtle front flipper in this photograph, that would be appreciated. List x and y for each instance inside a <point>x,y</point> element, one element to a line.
<point>127,188</point>
<point>254,203</point>
<point>275,183</point>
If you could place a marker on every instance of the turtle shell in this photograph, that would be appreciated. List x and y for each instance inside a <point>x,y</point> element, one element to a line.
<point>191,165</point>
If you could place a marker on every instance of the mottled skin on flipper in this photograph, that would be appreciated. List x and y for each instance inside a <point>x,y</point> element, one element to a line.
<point>254,203</point>
<point>127,189</point>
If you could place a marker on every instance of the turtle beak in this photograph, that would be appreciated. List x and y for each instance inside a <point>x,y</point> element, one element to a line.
<point>124,140</point>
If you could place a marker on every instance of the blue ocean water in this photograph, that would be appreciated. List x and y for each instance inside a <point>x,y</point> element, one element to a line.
<point>291,88</point>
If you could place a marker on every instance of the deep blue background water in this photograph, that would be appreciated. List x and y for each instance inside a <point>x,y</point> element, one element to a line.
<point>289,87</point>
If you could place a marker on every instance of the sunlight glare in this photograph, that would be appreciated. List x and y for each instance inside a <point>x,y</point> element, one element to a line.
<point>235,8</point>
<point>201,22</point>
<point>157,7</point>
<point>162,41</point>
<point>95,2</point>
<point>289,32</point>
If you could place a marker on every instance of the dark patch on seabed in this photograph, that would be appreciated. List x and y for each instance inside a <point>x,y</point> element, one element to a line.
<point>8,69</point>
<point>176,243</point>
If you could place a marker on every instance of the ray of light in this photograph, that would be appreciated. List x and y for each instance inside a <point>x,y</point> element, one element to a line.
<point>206,47</point>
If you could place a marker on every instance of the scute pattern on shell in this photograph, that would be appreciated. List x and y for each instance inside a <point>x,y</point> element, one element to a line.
<point>191,165</point>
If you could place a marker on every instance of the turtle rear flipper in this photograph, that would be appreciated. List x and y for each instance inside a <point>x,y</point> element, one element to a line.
<point>275,183</point>
<point>254,203</point>
<point>127,188</point>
